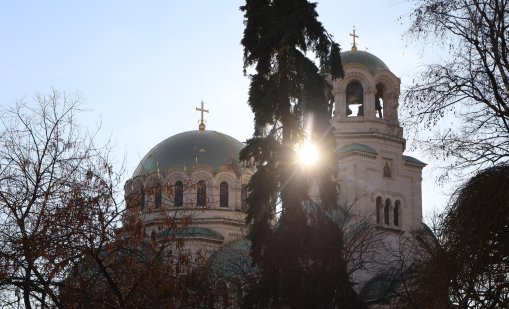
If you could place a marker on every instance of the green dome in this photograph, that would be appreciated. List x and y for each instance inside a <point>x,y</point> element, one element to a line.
<point>371,62</point>
<point>191,148</point>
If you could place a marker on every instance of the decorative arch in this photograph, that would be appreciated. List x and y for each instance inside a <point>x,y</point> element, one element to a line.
<point>393,195</point>
<point>358,76</point>
<point>153,181</point>
<point>391,83</point>
<point>391,88</point>
<point>201,175</point>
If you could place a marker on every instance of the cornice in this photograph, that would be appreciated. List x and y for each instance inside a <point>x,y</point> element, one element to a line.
<point>384,137</point>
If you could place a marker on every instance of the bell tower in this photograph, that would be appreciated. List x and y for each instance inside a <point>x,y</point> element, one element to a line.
<point>376,178</point>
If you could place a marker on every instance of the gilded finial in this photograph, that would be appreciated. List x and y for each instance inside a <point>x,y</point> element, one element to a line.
<point>202,110</point>
<point>354,47</point>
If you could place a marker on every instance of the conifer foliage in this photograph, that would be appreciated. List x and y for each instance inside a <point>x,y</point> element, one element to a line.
<point>287,54</point>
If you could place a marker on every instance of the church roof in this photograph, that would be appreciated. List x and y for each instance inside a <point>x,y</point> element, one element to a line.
<point>191,148</point>
<point>413,160</point>
<point>371,62</point>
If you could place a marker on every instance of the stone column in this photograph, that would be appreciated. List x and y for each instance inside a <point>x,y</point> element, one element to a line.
<point>339,93</point>
<point>369,103</point>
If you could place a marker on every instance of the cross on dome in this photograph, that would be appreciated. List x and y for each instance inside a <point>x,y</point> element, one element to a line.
<point>354,47</point>
<point>202,110</point>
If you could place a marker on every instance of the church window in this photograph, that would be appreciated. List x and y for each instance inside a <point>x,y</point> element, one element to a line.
<point>201,193</point>
<point>142,199</point>
<point>354,99</point>
<point>387,210</point>
<point>378,209</point>
<point>379,101</point>
<point>159,196</point>
<point>397,210</point>
<point>223,194</point>
<point>179,194</point>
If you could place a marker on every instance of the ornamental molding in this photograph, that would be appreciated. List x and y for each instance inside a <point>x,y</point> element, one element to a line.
<point>359,76</point>
<point>355,136</point>
<point>357,153</point>
<point>386,194</point>
<point>390,81</point>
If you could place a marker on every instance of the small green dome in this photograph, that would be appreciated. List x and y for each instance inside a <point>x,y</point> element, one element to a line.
<point>191,148</point>
<point>232,260</point>
<point>371,62</point>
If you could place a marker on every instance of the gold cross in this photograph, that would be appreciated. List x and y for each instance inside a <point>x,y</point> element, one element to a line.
<point>202,110</point>
<point>354,48</point>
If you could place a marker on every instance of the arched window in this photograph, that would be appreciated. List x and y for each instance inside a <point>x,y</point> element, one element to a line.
<point>379,100</point>
<point>223,194</point>
<point>397,210</point>
<point>159,196</point>
<point>142,199</point>
<point>354,99</point>
<point>378,209</point>
<point>201,193</point>
<point>387,210</point>
<point>179,194</point>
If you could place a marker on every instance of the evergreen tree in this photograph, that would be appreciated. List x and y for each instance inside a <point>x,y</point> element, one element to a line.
<point>294,240</point>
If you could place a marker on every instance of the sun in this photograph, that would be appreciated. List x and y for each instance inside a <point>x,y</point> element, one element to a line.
<point>308,154</point>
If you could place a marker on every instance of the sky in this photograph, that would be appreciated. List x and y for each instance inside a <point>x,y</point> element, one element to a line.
<point>142,67</point>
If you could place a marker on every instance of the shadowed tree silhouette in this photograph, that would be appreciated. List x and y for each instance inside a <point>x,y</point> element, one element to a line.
<point>467,264</point>
<point>300,256</point>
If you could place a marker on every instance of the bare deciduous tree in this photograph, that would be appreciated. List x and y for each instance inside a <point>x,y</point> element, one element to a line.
<point>461,106</point>
<point>57,194</point>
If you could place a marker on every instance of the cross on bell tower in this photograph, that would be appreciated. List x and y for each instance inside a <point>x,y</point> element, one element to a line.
<point>202,110</point>
<point>354,47</point>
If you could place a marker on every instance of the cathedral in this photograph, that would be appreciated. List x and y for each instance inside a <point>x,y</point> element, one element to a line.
<point>192,184</point>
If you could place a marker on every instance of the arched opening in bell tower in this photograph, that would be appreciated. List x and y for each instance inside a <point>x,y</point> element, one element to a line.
<point>379,100</point>
<point>354,99</point>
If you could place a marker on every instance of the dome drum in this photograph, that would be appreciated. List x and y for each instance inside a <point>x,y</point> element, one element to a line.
<point>194,173</point>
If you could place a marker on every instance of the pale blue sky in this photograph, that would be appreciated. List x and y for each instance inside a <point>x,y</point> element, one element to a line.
<point>143,66</point>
